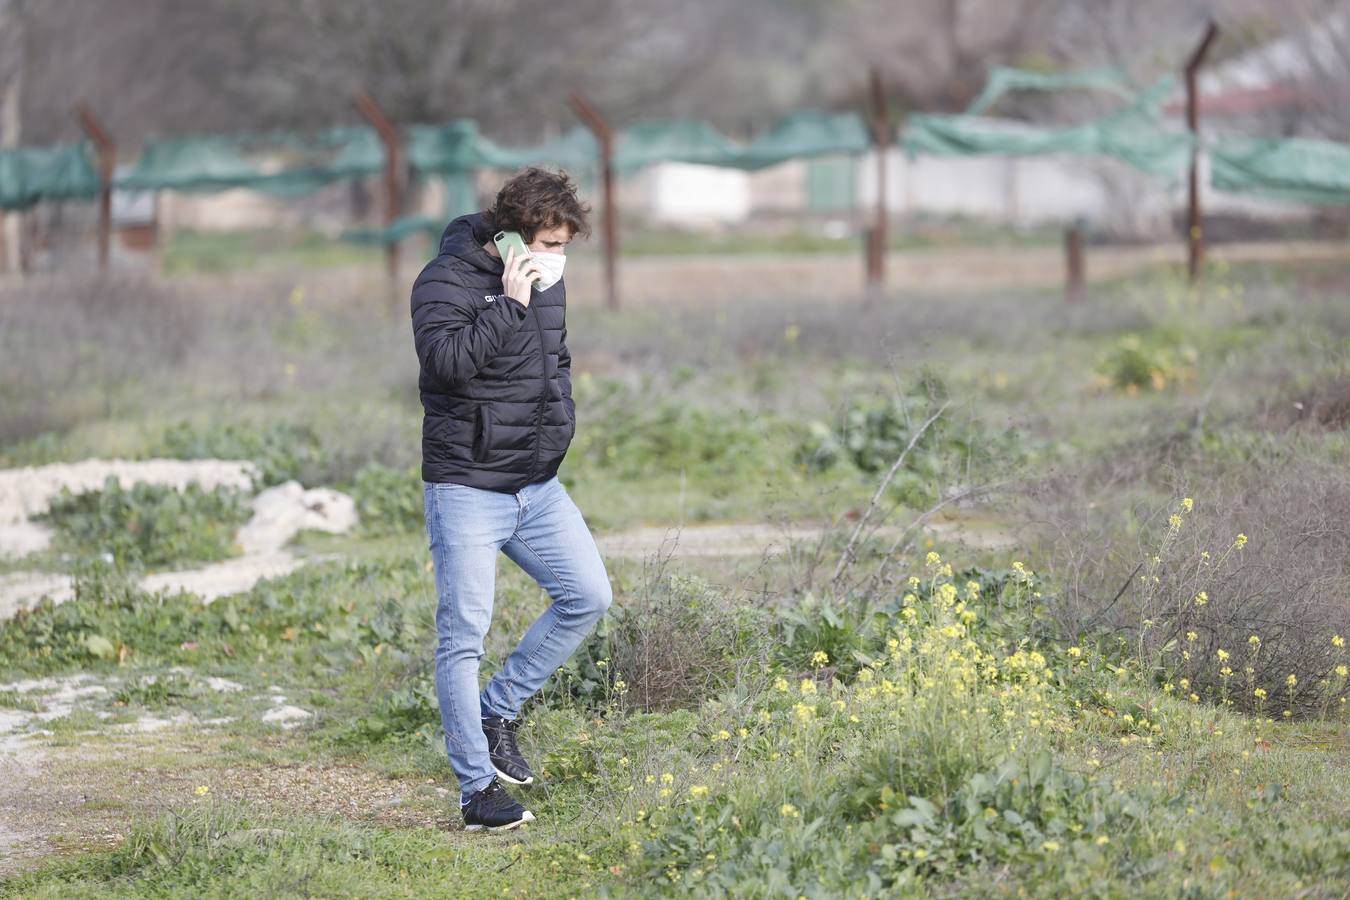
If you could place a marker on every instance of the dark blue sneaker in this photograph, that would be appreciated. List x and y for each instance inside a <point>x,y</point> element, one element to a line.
<point>502,750</point>
<point>493,809</point>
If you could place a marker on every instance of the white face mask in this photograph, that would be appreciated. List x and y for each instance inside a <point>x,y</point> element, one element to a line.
<point>550,268</point>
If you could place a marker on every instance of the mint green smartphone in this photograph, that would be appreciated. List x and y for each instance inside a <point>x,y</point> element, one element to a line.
<point>511,239</point>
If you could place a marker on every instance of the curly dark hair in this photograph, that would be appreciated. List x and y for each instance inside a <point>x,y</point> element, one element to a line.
<point>536,198</point>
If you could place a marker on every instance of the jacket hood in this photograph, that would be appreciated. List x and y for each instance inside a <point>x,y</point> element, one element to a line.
<point>463,240</point>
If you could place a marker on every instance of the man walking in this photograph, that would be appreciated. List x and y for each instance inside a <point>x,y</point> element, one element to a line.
<point>496,391</point>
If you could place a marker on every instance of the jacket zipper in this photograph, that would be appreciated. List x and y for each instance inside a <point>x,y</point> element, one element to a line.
<point>543,395</point>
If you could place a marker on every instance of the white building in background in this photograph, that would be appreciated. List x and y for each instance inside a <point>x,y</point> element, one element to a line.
<point>689,194</point>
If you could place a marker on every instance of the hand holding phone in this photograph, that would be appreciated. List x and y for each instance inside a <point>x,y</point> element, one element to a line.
<point>521,271</point>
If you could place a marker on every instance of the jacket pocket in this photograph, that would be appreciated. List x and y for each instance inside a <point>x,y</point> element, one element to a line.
<point>481,432</point>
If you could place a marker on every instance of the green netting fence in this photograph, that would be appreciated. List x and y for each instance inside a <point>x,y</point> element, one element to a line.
<point>1135,133</point>
<point>289,164</point>
<point>30,175</point>
<point>280,163</point>
<point>1294,169</point>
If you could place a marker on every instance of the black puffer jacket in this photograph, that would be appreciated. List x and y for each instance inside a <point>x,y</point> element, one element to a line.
<point>496,378</point>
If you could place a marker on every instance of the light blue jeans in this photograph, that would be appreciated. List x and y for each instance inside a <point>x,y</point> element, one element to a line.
<point>541,530</point>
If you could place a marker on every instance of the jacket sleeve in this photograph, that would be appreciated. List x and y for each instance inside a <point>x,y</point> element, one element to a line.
<point>454,341</point>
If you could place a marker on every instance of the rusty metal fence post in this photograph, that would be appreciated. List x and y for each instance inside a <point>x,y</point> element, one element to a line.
<point>393,161</point>
<point>875,248</point>
<point>107,157</point>
<point>1195,238</point>
<point>605,136</point>
<point>1074,284</point>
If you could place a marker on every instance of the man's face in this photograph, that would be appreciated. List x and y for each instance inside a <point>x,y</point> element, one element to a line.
<point>551,240</point>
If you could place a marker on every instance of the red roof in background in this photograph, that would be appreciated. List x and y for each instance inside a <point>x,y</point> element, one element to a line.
<point>1244,100</point>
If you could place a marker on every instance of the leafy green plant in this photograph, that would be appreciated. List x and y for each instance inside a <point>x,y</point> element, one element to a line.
<point>1149,361</point>
<point>628,436</point>
<point>324,617</point>
<point>149,524</point>
<point>873,434</point>
<point>410,709</point>
<point>388,500</point>
<point>156,690</point>
<point>282,451</point>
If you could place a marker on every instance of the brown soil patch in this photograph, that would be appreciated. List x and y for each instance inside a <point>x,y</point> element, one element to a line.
<point>73,798</point>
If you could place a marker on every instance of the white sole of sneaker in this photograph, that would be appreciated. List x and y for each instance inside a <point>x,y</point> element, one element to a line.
<point>528,817</point>
<point>509,780</point>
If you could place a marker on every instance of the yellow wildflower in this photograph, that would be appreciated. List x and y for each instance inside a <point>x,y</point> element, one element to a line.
<point>788,810</point>
<point>819,658</point>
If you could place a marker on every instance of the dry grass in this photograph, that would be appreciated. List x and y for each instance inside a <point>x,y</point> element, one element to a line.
<point>1182,591</point>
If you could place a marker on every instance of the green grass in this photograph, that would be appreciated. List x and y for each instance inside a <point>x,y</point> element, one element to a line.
<point>942,755</point>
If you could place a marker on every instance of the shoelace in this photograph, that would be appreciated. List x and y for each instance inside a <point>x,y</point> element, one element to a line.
<point>506,740</point>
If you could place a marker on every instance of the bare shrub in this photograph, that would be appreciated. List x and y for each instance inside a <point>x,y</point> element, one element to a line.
<point>1241,592</point>
<point>1324,405</point>
<point>679,641</point>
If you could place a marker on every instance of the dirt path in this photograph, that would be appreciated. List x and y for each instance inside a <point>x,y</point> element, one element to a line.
<point>81,797</point>
<point>756,539</point>
<point>717,279</point>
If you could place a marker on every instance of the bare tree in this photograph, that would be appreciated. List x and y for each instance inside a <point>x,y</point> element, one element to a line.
<point>934,55</point>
